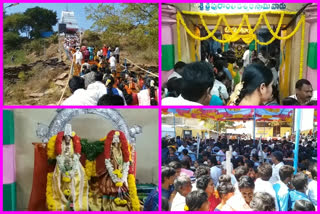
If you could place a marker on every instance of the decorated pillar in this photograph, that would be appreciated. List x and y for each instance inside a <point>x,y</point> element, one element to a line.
<point>9,163</point>
<point>311,19</point>
<point>167,43</point>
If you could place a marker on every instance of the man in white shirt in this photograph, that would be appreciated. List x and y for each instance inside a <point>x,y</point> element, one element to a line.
<point>97,87</point>
<point>178,70</point>
<point>178,101</point>
<point>182,185</point>
<point>312,186</point>
<point>246,57</point>
<point>79,56</point>
<point>221,154</point>
<point>277,158</point>
<point>117,54</point>
<point>304,92</point>
<point>112,61</point>
<point>215,171</point>
<point>79,96</point>
<point>183,146</point>
<point>262,184</point>
<point>220,90</point>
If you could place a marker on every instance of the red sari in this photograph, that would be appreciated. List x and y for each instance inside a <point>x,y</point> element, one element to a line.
<point>213,202</point>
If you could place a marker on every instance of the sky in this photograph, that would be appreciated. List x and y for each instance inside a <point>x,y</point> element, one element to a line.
<point>77,8</point>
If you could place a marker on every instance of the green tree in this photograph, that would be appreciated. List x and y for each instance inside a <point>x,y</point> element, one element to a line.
<point>91,38</point>
<point>132,25</point>
<point>42,20</point>
<point>215,125</point>
<point>18,23</point>
<point>11,40</point>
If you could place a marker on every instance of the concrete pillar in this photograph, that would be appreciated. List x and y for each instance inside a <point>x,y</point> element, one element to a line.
<point>168,19</point>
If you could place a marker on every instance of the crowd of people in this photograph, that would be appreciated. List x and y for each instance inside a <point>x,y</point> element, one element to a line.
<point>224,79</point>
<point>97,79</point>
<point>71,41</point>
<point>260,179</point>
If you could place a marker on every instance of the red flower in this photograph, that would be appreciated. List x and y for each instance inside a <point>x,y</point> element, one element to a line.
<point>75,140</point>
<point>124,145</point>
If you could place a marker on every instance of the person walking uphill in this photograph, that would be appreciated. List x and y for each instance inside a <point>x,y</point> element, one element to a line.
<point>105,51</point>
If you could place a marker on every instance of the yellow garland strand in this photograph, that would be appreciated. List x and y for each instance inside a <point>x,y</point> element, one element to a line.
<point>258,23</point>
<point>178,36</point>
<point>133,193</point>
<point>279,37</point>
<point>234,37</point>
<point>236,14</point>
<point>277,31</point>
<point>219,40</point>
<point>302,46</point>
<point>49,193</point>
<point>51,147</point>
<point>90,169</point>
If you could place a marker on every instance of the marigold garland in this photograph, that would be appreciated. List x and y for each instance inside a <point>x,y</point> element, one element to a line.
<point>302,46</point>
<point>49,192</point>
<point>67,192</point>
<point>186,208</point>
<point>66,179</point>
<point>133,193</point>
<point>90,169</point>
<point>51,147</point>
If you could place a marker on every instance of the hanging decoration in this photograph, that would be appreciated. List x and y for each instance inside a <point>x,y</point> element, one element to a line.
<point>235,36</point>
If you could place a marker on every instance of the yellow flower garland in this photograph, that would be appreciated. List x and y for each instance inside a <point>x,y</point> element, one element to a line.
<point>236,14</point>
<point>66,179</point>
<point>51,147</point>
<point>90,169</point>
<point>234,35</point>
<point>133,193</point>
<point>186,208</point>
<point>49,192</point>
<point>302,46</point>
<point>67,192</point>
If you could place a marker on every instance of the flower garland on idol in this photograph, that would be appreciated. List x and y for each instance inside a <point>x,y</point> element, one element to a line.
<point>54,151</point>
<point>126,175</point>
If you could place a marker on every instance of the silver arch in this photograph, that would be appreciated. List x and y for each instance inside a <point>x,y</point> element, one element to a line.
<point>63,116</point>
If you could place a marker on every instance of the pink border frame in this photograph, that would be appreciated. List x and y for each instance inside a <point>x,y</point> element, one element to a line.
<point>135,107</point>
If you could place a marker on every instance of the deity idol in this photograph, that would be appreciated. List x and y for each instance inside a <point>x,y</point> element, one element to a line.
<point>67,185</point>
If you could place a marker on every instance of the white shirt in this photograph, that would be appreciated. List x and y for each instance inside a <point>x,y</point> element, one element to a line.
<point>246,58</point>
<point>81,97</point>
<point>312,192</point>
<point>117,51</point>
<point>261,57</point>
<point>112,61</point>
<point>275,173</point>
<point>221,158</point>
<point>219,87</point>
<point>178,101</point>
<point>178,202</point>
<point>265,186</point>
<point>236,203</point>
<point>215,173</point>
<point>98,88</point>
<point>174,74</point>
<point>181,148</point>
<point>78,55</point>
<point>314,96</point>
